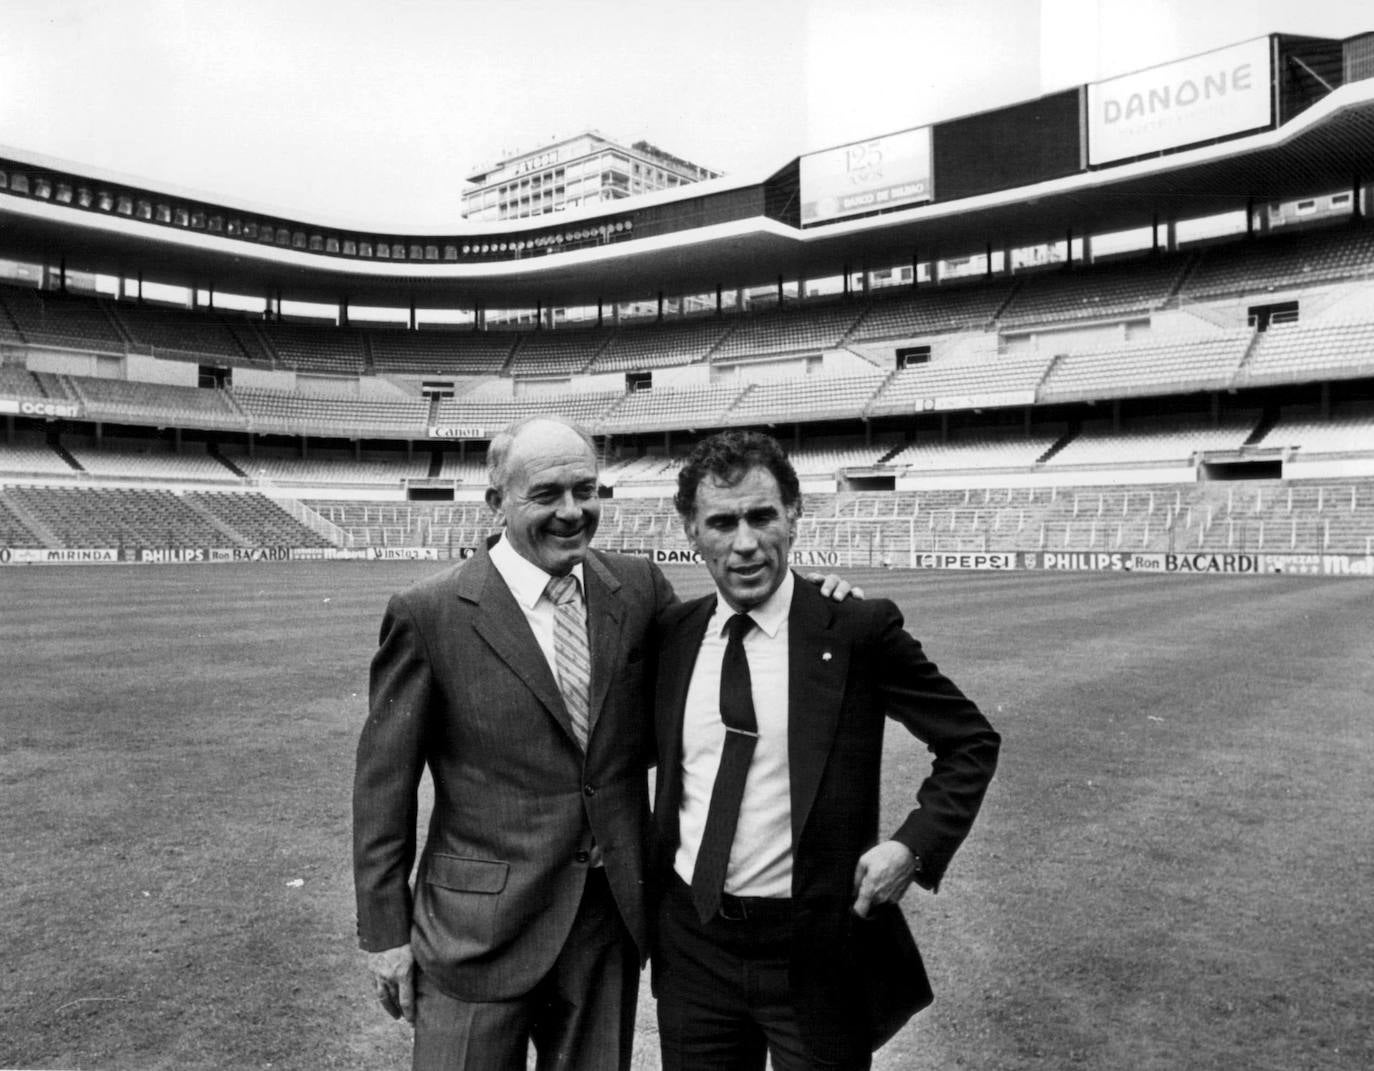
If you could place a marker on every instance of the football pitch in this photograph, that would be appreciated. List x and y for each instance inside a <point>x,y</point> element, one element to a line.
<point>1172,869</point>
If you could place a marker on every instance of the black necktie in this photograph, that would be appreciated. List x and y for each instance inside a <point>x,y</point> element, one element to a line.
<point>741,733</point>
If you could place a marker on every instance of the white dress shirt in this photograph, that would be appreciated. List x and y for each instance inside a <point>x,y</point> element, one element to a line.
<point>527,583</point>
<point>761,855</point>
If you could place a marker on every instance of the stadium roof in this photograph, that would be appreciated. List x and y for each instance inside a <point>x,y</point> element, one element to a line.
<point>1328,147</point>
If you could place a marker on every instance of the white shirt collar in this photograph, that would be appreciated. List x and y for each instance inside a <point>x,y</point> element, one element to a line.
<point>525,579</point>
<point>769,616</point>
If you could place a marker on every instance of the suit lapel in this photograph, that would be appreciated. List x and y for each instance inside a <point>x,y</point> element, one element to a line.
<point>817,665</point>
<point>501,623</point>
<point>677,659</point>
<point>605,612</point>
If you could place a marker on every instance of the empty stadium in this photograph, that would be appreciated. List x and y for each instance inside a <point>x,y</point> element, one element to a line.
<point>229,432</point>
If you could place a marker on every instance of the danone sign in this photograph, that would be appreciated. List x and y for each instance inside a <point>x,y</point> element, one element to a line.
<point>1214,95</point>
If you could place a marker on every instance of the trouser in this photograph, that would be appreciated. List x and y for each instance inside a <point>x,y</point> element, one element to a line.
<point>723,988</point>
<point>580,1017</point>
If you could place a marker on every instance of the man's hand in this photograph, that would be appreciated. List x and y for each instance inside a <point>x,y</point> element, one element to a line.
<point>882,875</point>
<point>393,977</point>
<point>835,587</point>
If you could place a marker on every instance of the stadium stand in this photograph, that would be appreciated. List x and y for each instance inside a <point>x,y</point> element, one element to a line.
<point>812,328</point>
<point>151,466</point>
<point>960,384</point>
<point>1176,445</point>
<point>585,407</point>
<point>1288,353</point>
<point>155,403</point>
<point>675,342</point>
<point>33,460</point>
<point>1129,288</point>
<point>1170,367</point>
<point>50,319</point>
<point>982,452</point>
<point>315,347</point>
<point>1281,262</point>
<point>557,353</point>
<point>169,331</point>
<point>439,351</point>
<point>13,531</point>
<point>335,472</point>
<point>804,398</point>
<point>351,417</point>
<point>701,407</point>
<point>1340,434</point>
<point>933,310</point>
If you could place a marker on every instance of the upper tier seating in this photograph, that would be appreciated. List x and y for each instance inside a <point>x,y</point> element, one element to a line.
<point>1163,367</point>
<point>785,401</point>
<point>1289,353</point>
<point>674,342</point>
<point>121,400</point>
<point>1282,262</point>
<point>983,452</point>
<point>333,471</point>
<point>960,384</point>
<point>564,352</point>
<point>53,319</point>
<point>355,417</point>
<point>316,347</point>
<point>19,382</point>
<point>1097,291</point>
<point>810,328</point>
<point>810,461</point>
<point>932,310</point>
<point>440,351</point>
<point>583,407</point>
<point>147,465</point>
<point>169,331</point>
<point>703,407</point>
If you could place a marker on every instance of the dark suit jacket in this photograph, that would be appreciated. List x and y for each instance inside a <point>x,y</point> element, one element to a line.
<point>459,684</point>
<point>851,664</point>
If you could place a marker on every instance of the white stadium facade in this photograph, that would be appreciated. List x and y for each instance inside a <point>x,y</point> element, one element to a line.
<point>1129,325</point>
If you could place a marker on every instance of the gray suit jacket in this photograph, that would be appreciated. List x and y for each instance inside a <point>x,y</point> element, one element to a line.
<point>459,685</point>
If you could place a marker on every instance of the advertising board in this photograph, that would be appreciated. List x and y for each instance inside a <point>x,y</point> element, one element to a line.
<point>866,176</point>
<point>1215,95</point>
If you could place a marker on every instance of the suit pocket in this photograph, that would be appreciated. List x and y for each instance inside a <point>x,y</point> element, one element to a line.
<point>462,874</point>
<point>458,906</point>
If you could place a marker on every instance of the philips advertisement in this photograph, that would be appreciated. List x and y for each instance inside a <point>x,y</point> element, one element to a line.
<point>1214,95</point>
<point>867,176</point>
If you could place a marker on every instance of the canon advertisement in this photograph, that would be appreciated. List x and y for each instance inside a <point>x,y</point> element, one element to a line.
<point>866,176</point>
<point>1214,95</point>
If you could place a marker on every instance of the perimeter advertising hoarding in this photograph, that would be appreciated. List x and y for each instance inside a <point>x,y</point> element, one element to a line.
<point>1215,95</point>
<point>866,176</point>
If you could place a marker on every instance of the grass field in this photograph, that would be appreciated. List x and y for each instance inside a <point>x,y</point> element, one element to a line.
<point>1172,869</point>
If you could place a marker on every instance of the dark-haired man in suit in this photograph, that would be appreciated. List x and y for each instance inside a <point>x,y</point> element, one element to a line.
<point>521,679</point>
<point>779,931</point>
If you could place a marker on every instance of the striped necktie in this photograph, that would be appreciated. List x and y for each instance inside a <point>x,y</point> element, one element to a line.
<point>572,658</point>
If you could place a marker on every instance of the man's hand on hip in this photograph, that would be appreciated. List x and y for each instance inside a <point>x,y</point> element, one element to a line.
<point>882,875</point>
<point>393,977</point>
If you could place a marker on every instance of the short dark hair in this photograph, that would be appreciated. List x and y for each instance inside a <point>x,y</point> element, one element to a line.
<point>728,456</point>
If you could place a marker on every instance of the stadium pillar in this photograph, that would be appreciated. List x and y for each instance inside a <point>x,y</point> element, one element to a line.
<point>720,300</point>
<point>987,260</point>
<point>1154,233</point>
<point>915,269</point>
<point>934,269</point>
<point>779,291</point>
<point>1171,236</point>
<point>599,315</point>
<point>538,315</point>
<point>1249,217</point>
<point>660,306</point>
<point>412,313</point>
<point>1068,248</point>
<point>1087,256</point>
<point>846,280</point>
<point>343,312</point>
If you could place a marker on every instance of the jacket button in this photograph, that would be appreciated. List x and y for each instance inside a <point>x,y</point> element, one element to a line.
<point>582,857</point>
<point>589,790</point>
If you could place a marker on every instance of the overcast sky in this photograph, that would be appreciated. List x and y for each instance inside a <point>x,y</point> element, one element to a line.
<point>376,112</point>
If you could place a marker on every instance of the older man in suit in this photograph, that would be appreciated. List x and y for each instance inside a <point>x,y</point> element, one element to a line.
<point>779,932</point>
<point>519,679</point>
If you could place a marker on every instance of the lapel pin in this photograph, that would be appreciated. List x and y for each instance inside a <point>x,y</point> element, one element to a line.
<point>825,656</point>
